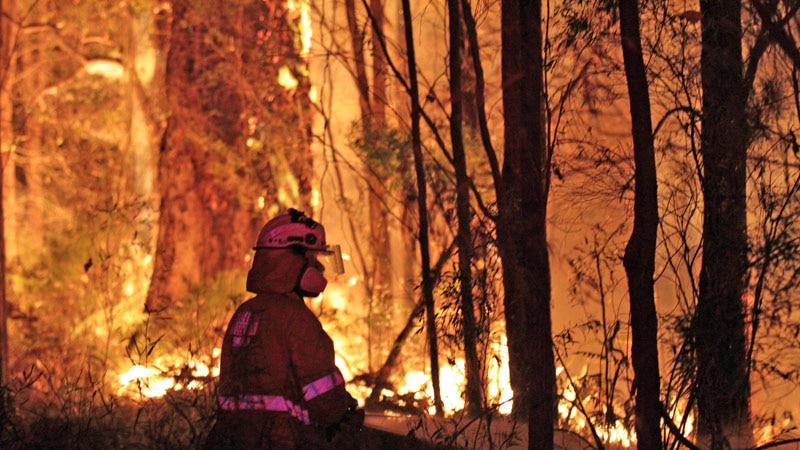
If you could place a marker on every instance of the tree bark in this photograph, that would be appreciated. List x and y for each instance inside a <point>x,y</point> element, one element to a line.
<point>474,388</point>
<point>7,10</point>
<point>383,283</point>
<point>639,259</point>
<point>210,175</point>
<point>424,244</point>
<point>184,222</point>
<point>359,63</point>
<point>722,385</point>
<point>521,228</point>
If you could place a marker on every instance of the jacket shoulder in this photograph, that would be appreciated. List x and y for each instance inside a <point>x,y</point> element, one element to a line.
<point>283,306</point>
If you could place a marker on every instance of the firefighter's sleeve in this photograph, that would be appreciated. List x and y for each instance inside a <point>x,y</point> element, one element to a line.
<point>318,378</point>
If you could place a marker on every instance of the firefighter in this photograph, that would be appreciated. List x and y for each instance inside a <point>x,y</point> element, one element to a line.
<point>279,387</point>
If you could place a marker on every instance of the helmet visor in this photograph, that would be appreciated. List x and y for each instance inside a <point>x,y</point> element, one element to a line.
<point>331,258</point>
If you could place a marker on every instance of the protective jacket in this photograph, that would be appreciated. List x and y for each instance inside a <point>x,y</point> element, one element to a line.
<point>279,386</point>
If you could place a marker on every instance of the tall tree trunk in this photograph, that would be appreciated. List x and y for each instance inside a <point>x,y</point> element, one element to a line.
<point>37,65</point>
<point>182,221</point>
<point>474,388</point>
<point>640,253</point>
<point>373,116</point>
<point>521,229</point>
<point>8,149</point>
<point>722,385</point>
<point>7,11</point>
<point>201,202</point>
<point>422,202</point>
<point>359,62</point>
<point>379,214</point>
<point>378,62</point>
<point>146,111</point>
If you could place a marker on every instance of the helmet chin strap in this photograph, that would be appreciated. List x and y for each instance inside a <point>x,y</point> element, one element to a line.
<point>311,282</point>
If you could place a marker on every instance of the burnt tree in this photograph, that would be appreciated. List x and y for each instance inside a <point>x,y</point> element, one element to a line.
<point>522,221</point>
<point>231,130</point>
<point>640,253</point>
<point>722,383</point>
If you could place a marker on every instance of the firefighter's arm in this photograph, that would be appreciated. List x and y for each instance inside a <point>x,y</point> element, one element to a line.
<point>321,382</point>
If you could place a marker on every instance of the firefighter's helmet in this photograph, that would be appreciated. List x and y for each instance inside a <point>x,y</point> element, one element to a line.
<point>292,229</point>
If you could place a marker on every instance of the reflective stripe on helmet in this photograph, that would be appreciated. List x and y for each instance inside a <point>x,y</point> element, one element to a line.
<point>256,402</point>
<point>292,228</point>
<point>322,385</point>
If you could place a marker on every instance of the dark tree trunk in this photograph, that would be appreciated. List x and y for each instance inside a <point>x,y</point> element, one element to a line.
<point>359,62</point>
<point>521,229</point>
<point>474,388</point>
<point>3,308</point>
<point>640,253</point>
<point>209,176</point>
<point>722,385</point>
<point>378,62</point>
<point>424,241</point>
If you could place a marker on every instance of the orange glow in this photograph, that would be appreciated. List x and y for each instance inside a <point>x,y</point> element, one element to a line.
<point>286,79</point>
<point>302,12</point>
<point>154,381</point>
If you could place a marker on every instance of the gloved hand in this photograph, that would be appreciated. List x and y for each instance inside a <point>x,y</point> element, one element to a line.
<point>353,420</point>
<point>354,417</point>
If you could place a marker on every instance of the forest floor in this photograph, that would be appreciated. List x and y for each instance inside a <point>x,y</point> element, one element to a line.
<point>385,431</point>
<point>413,432</point>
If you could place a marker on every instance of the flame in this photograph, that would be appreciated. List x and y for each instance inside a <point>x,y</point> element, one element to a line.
<point>176,372</point>
<point>499,379</point>
<point>147,379</point>
<point>614,433</point>
<point>153,381</point>
<point>286,79</point>
<point>302,11</point>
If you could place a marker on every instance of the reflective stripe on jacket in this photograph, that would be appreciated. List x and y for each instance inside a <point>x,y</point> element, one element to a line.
<point>276,346</point>
<point>276,357</point>
<point>255,402</point>
<point>322,385</point>
<point>258,402</point>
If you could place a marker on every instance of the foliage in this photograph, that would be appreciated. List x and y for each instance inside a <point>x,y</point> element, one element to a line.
<point>72,391</point>
<point>775,323</point>
<point>487,290</point>
<point>77,282</point>
<point>594,386</point>
<point>383,151</point>
<point>84,416</point>
<point>489,431</point>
